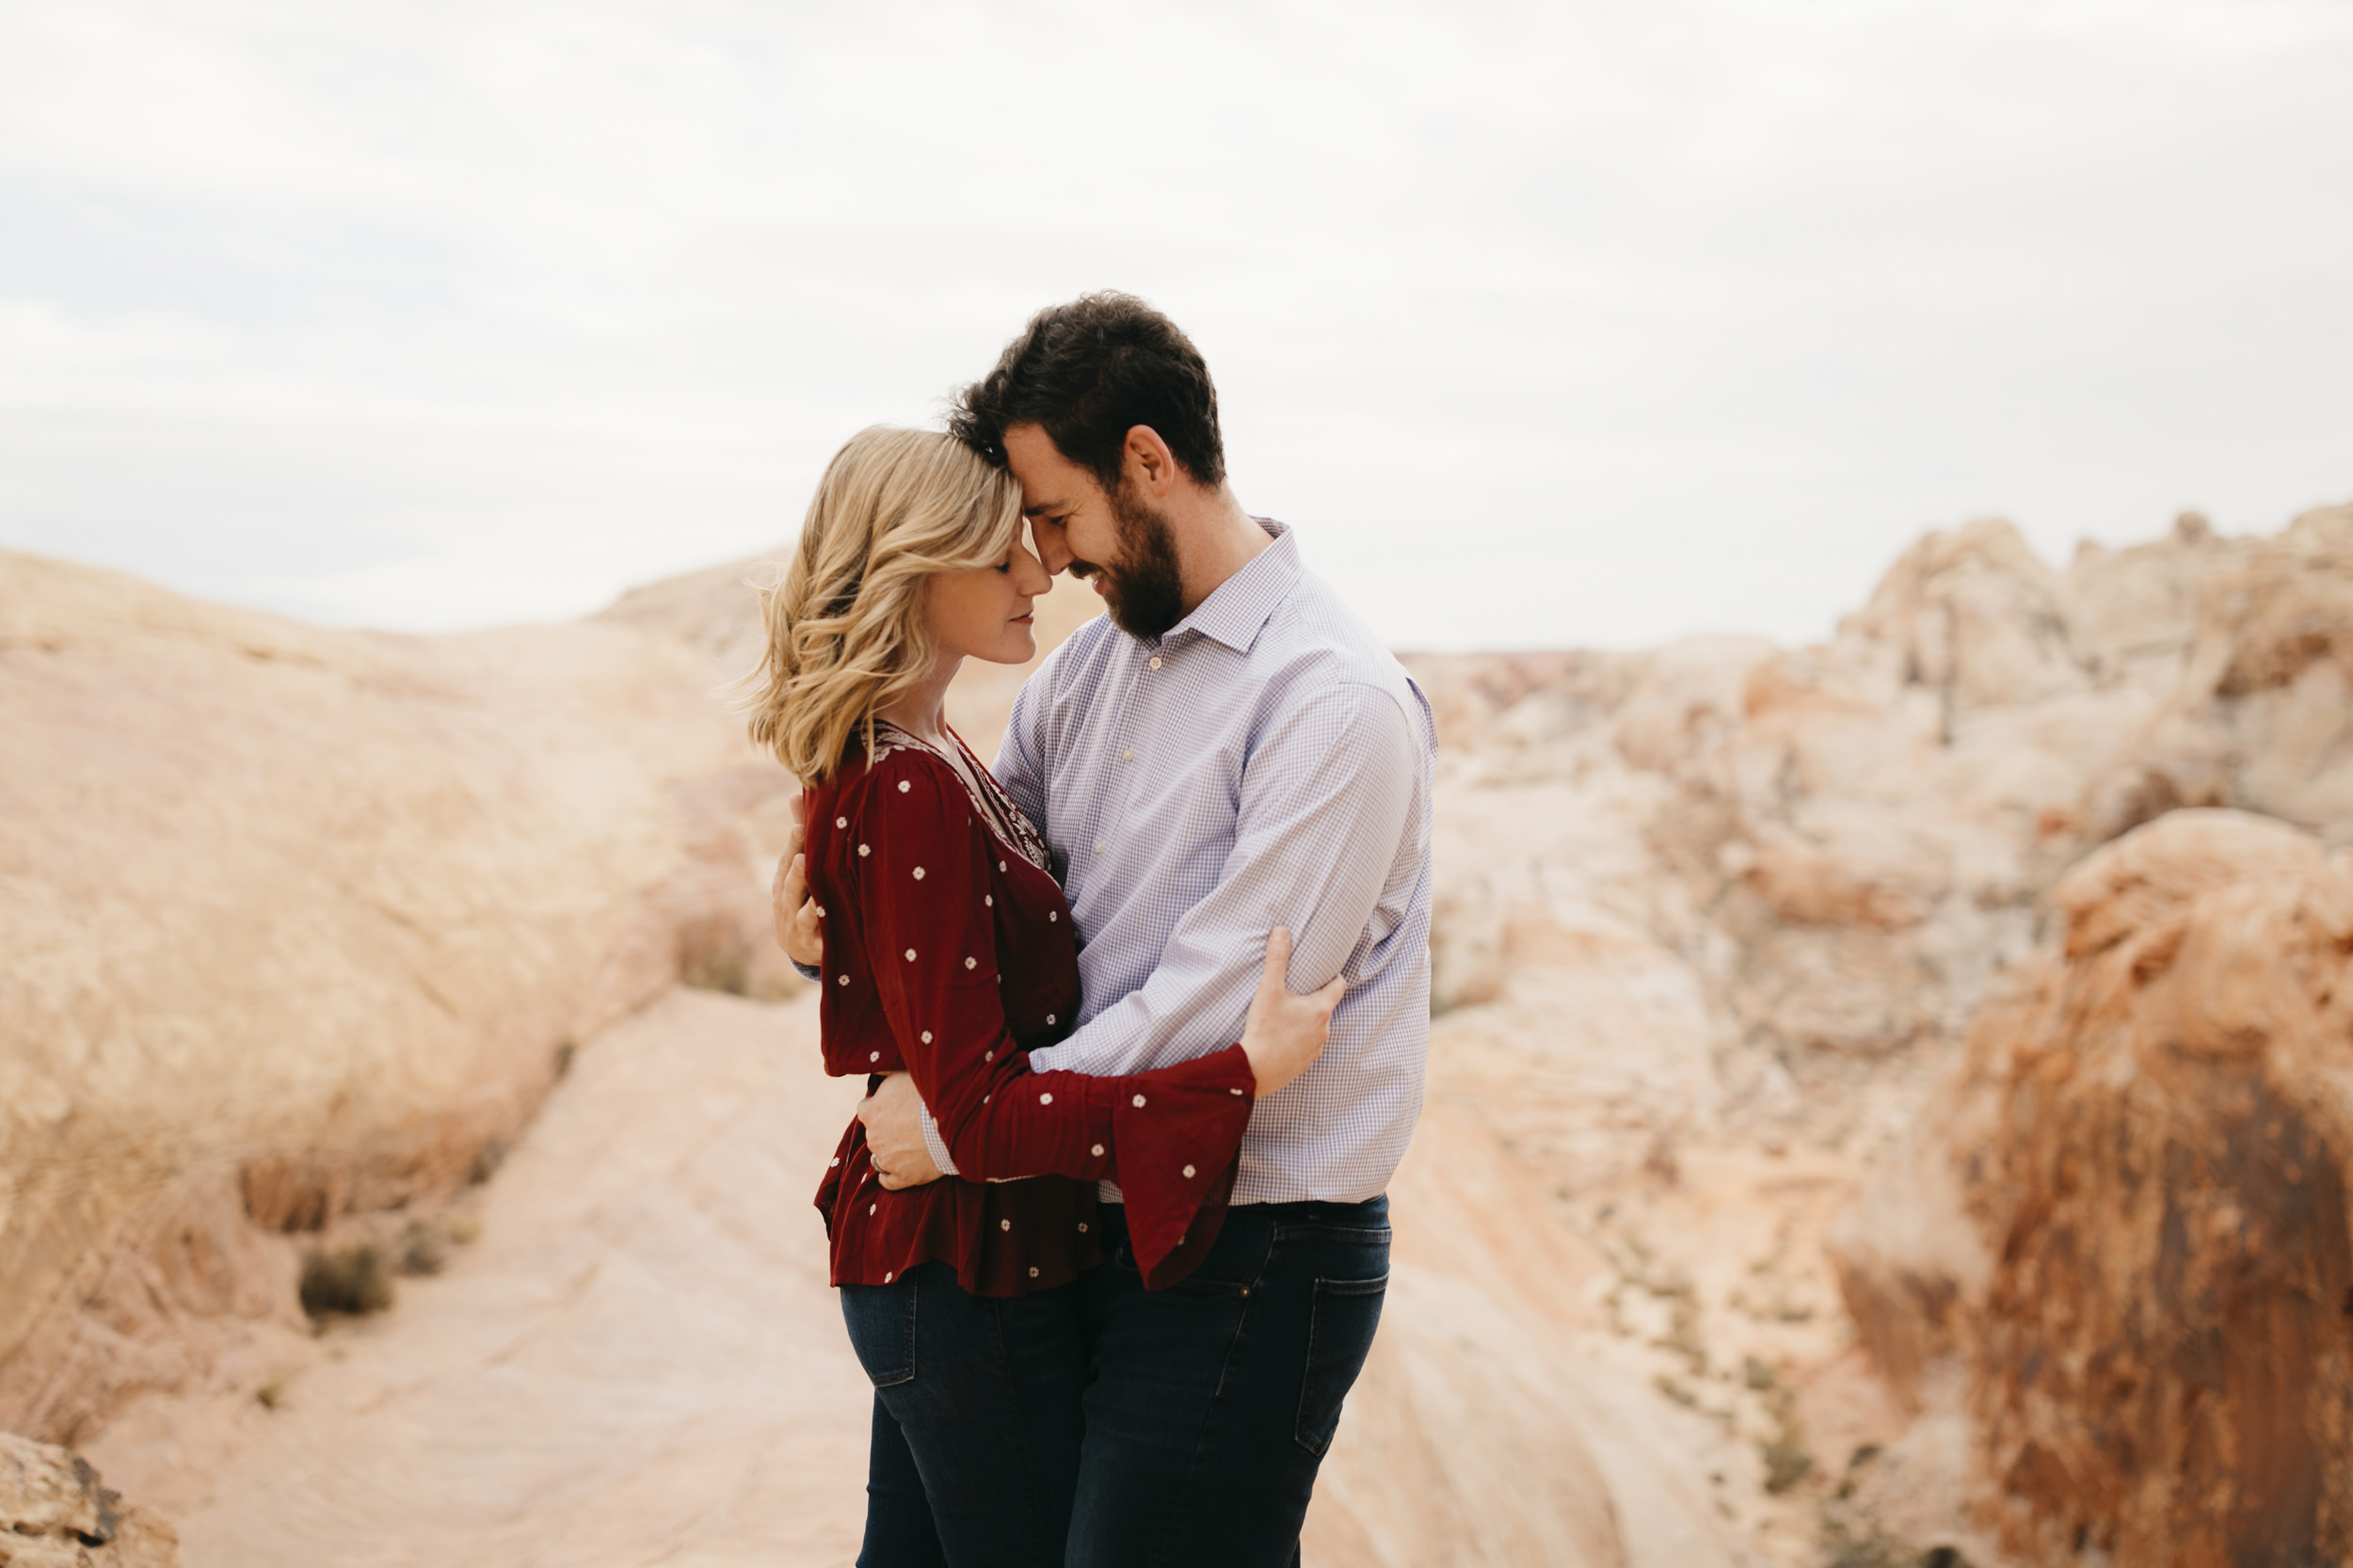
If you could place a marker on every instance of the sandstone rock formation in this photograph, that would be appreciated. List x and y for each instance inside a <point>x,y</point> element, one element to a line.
<point>300,923</point>
<point>54,1515</point>
<point>2137,1184</point>
<point>1718,911</point>
<point>1715,921</point>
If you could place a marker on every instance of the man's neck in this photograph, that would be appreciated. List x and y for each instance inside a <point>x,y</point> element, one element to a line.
<point>1215,538</point>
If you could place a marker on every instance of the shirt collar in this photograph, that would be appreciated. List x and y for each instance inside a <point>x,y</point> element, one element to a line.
<point>1239,607</point>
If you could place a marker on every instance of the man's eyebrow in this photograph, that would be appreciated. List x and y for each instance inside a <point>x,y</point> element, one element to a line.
<point>1043,508</point>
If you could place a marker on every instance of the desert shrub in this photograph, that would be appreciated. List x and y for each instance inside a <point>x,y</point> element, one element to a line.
<point>712,955</point>
<point>349,1281</point>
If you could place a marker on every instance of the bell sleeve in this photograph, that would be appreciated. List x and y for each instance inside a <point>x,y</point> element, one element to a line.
<point>1169,1138</point>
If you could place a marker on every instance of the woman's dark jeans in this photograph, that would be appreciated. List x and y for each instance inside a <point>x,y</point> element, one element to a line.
<point>977,1421</point>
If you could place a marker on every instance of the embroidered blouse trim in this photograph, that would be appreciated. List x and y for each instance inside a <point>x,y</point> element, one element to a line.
<point>987,797</point>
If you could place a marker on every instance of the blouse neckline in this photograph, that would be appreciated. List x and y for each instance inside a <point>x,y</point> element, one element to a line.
<point>1006,819</point>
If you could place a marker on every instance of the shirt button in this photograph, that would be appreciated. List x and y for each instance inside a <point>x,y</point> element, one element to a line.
<point>1004,1225</point>
<point>1098,846</point>
<point>1034,1270</point>
<point>1139,1102</point>
<point>1188,1172</point>
<point>1156,662</point>
<point>841,821</point>
<point>1128,755</point>
<point>1099,1154</point>
<point>1046,1099</point>
<point>845,980</point>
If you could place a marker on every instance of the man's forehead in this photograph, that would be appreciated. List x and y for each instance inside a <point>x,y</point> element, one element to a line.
<point>1049,481</point>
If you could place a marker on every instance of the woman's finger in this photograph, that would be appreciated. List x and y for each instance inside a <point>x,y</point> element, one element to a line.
<point>1275,977</point>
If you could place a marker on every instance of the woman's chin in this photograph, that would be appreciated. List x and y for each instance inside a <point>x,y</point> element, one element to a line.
<point>1015,650</point>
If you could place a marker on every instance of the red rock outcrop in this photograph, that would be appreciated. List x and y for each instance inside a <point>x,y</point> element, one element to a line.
<point>2137,1179</point>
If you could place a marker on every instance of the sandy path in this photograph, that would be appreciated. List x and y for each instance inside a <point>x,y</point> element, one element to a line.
<point>640,1362</point>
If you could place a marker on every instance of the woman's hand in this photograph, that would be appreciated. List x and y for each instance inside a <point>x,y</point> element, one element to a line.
<point>1286,1034</point>
<point>796,913</point>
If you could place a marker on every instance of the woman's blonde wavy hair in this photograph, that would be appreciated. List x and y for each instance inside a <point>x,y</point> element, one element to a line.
<point>846,629</point>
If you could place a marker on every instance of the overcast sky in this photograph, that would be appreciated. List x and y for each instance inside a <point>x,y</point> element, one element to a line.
<point>1545,325</point>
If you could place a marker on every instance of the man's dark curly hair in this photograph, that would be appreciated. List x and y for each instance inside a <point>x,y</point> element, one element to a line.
<point>1088,372</point>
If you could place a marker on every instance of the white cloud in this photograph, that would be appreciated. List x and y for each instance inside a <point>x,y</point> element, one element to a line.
<point>1547,324</point>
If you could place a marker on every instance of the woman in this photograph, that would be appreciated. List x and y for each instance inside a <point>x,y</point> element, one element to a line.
<point>948,953</point>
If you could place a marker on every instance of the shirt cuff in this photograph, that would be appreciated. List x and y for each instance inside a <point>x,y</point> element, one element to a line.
<point>807,971</point>
<point>939,1146</point>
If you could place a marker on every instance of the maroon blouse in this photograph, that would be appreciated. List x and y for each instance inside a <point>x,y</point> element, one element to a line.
<point>950,954</point>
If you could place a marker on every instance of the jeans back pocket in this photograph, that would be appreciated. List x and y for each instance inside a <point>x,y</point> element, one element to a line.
<point>1340,1326</point>
<point>880,1319</point>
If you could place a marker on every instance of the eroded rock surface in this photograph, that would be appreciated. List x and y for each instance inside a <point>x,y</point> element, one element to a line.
<point>300,924</point>
<point>54,1514</point>
<point>2140,1168</point>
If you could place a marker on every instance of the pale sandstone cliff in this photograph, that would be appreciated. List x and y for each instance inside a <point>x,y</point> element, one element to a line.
<point>300,923</point>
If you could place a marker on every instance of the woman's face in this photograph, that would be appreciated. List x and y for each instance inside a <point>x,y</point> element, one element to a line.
<point>984,612</point>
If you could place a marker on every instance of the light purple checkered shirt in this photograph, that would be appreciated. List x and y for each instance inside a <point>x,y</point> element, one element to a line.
<point>1265,763</point>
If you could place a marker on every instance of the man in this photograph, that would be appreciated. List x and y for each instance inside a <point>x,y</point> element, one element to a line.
<point>1229,751</point>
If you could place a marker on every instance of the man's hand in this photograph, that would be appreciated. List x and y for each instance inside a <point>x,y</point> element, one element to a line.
<point>796,913</point>
<point>894,1134</point>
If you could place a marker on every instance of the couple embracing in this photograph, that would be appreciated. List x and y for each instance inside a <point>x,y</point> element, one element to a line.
<point>1143,1005</point>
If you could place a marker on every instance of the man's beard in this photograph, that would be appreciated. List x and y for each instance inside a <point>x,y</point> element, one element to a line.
<point>1145,593</point>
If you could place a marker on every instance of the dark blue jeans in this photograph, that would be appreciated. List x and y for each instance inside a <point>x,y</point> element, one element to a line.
<point>1212,1402</point>
<point>977,1423</point>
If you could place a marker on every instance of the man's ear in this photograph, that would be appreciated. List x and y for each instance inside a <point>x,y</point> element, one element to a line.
<point>1147,462</point>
